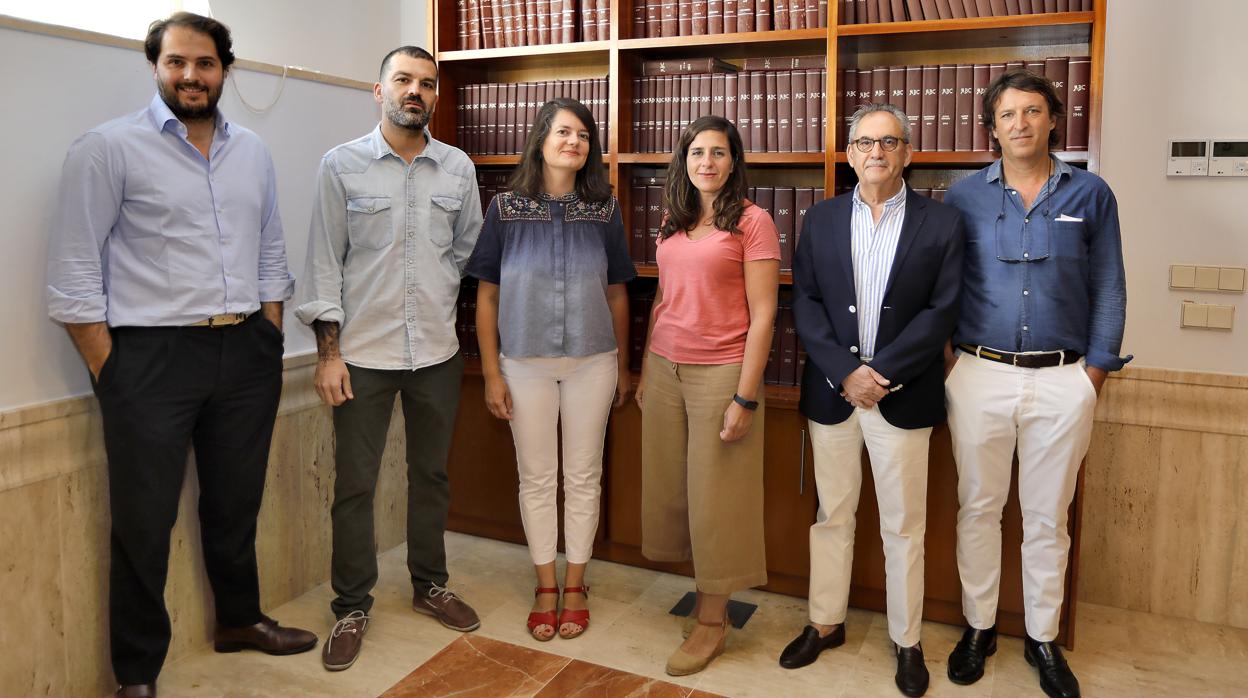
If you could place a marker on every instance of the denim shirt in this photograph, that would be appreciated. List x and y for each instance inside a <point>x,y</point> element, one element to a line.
<point>553,259</point>
<point>1044,278</point>
<point>388,245</point>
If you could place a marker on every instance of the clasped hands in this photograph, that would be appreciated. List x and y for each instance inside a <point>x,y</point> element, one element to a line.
<point>864,387</point>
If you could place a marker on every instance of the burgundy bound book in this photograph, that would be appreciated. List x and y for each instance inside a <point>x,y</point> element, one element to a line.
<point>783,212</point>
<point>946,108</point>
<point>508,109</point>
<point>771,126</point>
<point>817,18</point>
<point>699,17</point>
<point>604,20</point>
<point>647,116</point>
<point>669,22</point>
<point>730,16</point>
<point>929,10</point>
<point>654,11</point>
<point>850,11</point>
<point>1025,7</point>
<point>784,110</point>
<point>924,192</point>
<point>1085,5</point>
<point>530,23</point>
<point>487,23</point>
<point>717,94</point>
<point>654,216</point>
<point>979,139</point>
<point>943,9</point>
<point>955,8</point>
<point>758,111</point>
<point>744,107</point>
<point>873,11</point>
<point>1057,69</point>
<point>745,15</point>
<point>730,98</point>
<point>879,84</point>
<point>969,9</point>
<point>897,86</point>
<point>702,83</point>
<point>1050,6</point>
<point>785,62</point>
<point>543,22</point>
<point>983,8</point>
<point>821,79</point>
<point>1036,67</point>
<point>1012,8</point>
<point>860,12</point>
<point>864,88</point>
<point>687,99</point>
<point>1063,5</point>
<point>684,17</point>
<point>668,115</point>
<point>771,375</point>
<point>964,127</point>
<point>931,105</point>
<point>1014,65</point>
<point>914,10</point>
<point>490,114</point>
<point>938,193</point>
<point>715,17</point>
<point>899,10</point>
<point>639,118</point>
<point>804,198</point>
<point>885,10</point>
<point>788,347</point>
<point>589,23</point>
<point>762,15</point>
<point>461,120</point>
<point>461,24</point>
<point>797,13</point>
<point>801,362</point>
<point>569,21</point>
<point>637,222</point>
<point>687,66</point>
<point>765,198</point>
<point>782,14</point>
<point>914,105</point>
<point>1078,75</point>
<point>797,102</point>
<point>639,18</point>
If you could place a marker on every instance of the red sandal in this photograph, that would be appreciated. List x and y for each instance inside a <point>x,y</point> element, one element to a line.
<point>540,618</point>
<point>579,617</point>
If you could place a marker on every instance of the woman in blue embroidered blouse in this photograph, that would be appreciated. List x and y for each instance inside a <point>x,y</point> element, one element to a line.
<point>552,323</point>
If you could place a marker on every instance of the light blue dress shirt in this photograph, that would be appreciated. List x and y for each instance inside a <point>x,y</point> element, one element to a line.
<point>147,232</point>
<point>873,245</point>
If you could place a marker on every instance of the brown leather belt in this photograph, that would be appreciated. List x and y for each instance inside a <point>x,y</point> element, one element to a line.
<point>1039,359</point>
<point>222,320</point>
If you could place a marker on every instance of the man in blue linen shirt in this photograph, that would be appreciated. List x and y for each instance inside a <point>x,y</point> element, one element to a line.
<point>165,244</point>
<point>1043,288</point>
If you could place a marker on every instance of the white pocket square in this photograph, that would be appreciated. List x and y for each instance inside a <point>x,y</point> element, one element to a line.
<point>1068,219</point>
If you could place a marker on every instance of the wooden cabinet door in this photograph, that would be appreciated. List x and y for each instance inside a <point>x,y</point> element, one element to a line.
<point>789,502</point>
<point>482,470</point>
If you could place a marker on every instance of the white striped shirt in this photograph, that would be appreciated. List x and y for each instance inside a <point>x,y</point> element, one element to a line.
<point>874,246</point>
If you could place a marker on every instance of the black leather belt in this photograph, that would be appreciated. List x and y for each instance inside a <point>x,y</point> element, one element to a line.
<point>1039,359</point>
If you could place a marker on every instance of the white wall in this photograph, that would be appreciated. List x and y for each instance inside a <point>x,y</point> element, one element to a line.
<point>1167,76</point>
<point>332,36</point>
<point>415,24</point>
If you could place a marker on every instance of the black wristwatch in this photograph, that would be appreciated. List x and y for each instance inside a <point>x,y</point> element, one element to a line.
<point>750,405</point>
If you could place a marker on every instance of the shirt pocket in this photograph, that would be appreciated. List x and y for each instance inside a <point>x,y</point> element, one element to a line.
<point>443,214</point>
<point>1069,238</point>
<point>370,222</point>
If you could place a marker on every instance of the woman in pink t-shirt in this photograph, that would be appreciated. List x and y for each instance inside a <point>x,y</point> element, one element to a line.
<point>701,384</point>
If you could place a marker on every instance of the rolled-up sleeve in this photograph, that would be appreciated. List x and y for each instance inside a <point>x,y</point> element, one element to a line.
<point>276,283</point>
<point>90,199</point>
<point>321,291</point>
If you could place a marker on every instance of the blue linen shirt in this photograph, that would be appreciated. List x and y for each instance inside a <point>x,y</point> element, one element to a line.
<point>148,232</point>
<point>1045,278</point>
<point>553,259</point>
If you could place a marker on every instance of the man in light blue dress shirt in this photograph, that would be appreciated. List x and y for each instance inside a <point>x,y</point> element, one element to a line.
<point>168,268</point>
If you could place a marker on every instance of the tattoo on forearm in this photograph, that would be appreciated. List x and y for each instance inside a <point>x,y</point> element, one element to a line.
<point>326,340</point>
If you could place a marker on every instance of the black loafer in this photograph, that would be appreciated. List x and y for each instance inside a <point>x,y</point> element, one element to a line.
<point>1056,678</point>
<point>806,648</point>
<point>912,675</point>
<point>966,662</point>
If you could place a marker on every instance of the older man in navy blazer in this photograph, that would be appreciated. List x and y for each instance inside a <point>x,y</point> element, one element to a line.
<point>876,281</point>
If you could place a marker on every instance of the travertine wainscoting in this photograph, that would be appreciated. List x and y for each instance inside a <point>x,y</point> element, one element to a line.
<point>1165,527</point>
<point>54,536</point>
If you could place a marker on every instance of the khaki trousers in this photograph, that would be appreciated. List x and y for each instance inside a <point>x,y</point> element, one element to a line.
<point>702,499</point>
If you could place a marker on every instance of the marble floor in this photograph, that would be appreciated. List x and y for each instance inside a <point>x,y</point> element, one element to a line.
<point>1120,653</point>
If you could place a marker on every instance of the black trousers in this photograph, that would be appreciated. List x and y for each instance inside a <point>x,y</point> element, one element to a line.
<point>161,389</point>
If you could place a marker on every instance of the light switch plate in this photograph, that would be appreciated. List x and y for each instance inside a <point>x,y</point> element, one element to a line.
<point>1182,276</point>
<point>1194,315</point>
<point>1231,279</point>
<point>1220,317</point>
<point>1207,278</point>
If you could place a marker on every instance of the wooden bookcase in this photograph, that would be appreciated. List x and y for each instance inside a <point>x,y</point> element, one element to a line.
<point>482,464</point>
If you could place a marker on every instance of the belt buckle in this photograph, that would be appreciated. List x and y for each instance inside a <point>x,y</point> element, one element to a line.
<point>1014,359</point>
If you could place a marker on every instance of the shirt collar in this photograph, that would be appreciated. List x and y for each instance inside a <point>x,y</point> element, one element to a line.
<point>434,149</point>
<point>163,118</point>
<point>1060,168</point>
<point>892,201</point>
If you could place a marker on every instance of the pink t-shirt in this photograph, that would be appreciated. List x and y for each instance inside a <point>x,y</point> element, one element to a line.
<point>704,316</point>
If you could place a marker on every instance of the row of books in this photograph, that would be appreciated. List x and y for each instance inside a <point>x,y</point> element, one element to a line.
<point>875,11</point>
<point>775,111</point>
<point>662,18</point>
<point>509,23</point>
<point>494,118</point>
<point>944,103</point>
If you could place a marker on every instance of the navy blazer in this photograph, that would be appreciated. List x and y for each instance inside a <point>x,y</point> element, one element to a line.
<point>919,311</point>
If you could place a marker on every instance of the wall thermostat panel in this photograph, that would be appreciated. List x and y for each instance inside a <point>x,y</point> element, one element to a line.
<point>1228,159</point>
<point>1188,159</point>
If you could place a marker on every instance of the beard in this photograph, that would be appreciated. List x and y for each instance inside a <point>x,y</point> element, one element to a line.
<point>398,115</point>
<point>169,95</point>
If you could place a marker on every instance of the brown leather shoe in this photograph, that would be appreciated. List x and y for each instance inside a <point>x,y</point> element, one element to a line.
<point>137,690</point>
<point>449,609</point>
<point>342,647</point>
<point>266,636</point>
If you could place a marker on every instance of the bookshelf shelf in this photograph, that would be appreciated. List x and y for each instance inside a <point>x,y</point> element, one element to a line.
<point>1027,23</point>
<point>589,48</point>
<point>775,159</point>
<point>495,159</point>
<point>788,42</point>
<point>974,158</point>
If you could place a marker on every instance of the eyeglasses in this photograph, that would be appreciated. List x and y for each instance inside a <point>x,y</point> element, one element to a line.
<point>888,143</point>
